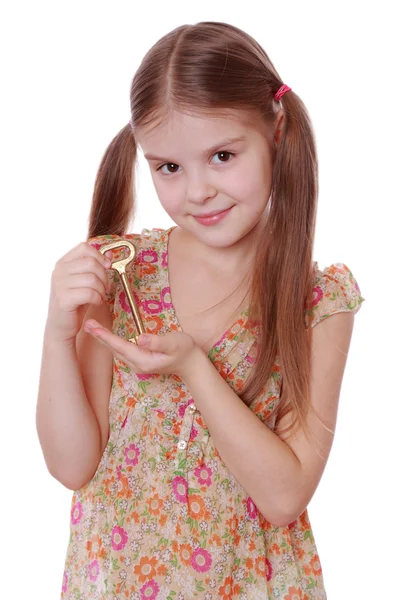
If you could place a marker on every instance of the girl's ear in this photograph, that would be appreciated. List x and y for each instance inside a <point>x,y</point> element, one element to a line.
<point>280,119</point>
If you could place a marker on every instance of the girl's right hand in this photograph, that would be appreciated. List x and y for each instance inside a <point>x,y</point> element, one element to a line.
<point>79,279</point>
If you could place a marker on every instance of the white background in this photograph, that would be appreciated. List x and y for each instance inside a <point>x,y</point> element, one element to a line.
<point>66,74</point>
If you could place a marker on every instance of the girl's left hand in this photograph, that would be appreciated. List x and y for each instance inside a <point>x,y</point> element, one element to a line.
<point>172,353</point>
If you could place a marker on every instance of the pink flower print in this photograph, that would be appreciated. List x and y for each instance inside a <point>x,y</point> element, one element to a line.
<point>252,509</point>
<point>152,307</point>
<point>268,569</point>
<point>94,570</point>
<point>132,454</point>
<point>201,560</point>
<point>143,377</point>
<point>76,513</point>
<point>124,302</point>
<point>119,538</point>
<point>193,433</point>
<point>166,297</point>
<point>182,409</point>
<point>164,259</point>
<point>318,293</point>
<point>180,488</point>
<point>147,256</point>
<point>203,474</point>
<point>65,582</point>
<point>119,468</point>
<point>150,590</point>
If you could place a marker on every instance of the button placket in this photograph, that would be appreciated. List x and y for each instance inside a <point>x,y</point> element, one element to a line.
<point>184,436</point>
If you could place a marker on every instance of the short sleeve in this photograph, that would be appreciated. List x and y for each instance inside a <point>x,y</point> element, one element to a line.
<point>113,276</point>
<point>335,290</point>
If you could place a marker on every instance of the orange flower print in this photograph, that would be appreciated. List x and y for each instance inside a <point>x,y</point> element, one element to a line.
<point>94,546</point>
<point>185,552</point>
<point>155,504</point>
<point>146,569</point>
<point>263,567</point>
<point>197,509</point>
<point>316,565</point>
<point>295,593</point>
<point>227,589</point>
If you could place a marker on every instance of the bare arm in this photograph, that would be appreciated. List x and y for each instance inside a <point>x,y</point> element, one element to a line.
<point>279,475</point>
<point>71,421</point>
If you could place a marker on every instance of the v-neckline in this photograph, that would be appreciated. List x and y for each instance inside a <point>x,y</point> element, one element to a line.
<point>172,307</point>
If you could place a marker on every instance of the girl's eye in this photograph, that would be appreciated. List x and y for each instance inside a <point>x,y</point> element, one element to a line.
<point>223,152</point>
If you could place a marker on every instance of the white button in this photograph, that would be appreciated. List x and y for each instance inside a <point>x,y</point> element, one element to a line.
<point>182,444</point>
<point>192,408</point>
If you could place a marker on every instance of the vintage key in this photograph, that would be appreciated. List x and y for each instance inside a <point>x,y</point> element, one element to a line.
<point>119,266</point>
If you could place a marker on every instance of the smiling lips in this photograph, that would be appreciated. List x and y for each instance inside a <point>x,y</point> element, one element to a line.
<point>213,217</point>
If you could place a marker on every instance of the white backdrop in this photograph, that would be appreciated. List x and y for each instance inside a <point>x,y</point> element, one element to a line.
<point>66,74</point>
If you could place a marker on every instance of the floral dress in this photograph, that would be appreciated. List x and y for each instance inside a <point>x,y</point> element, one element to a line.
<point>163,518</point>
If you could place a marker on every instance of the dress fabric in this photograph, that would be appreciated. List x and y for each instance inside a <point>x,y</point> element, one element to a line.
<point>163,518</point>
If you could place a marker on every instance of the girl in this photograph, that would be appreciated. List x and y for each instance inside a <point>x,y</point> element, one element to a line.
<point>194,453</point>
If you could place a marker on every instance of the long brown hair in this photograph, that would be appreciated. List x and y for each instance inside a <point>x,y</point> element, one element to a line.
<point>213,65</point>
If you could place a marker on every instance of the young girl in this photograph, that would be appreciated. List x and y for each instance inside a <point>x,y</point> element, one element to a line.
<point>194,453</point>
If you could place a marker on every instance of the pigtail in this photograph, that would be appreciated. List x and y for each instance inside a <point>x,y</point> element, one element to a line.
<point>282,282</point>
<point>113,203</point>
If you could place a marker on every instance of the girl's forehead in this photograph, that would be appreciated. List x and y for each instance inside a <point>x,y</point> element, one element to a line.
<point>232,123</point>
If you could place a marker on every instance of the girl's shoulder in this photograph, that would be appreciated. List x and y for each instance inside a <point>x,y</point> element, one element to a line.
<point>335,289</point>
<point>146,238</point>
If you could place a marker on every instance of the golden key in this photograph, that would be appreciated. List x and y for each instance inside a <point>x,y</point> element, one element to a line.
<point>119,266</point>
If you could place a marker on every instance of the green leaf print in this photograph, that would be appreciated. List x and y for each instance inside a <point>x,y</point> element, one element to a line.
<point>182,463</point>
<point>163,541</point>
<point>180,473</point>
<point>199,586</point>
<point>77,594</point>
<point>311,584</point>
<point>193,491</point>
<point>308,535</point>
<point>143,385</point>
<point>152,461</point>
<point>115,564</point>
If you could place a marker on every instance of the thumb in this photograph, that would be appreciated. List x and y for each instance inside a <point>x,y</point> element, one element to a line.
<point>145,340</point>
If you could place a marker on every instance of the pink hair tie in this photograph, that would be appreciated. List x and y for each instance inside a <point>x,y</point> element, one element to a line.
<point>282,90</point>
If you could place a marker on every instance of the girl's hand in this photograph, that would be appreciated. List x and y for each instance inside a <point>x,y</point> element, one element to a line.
<point>173,353</point>
<point>78,280</point>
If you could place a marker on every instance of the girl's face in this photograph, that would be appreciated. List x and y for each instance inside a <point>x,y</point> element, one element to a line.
<point>195,171</point>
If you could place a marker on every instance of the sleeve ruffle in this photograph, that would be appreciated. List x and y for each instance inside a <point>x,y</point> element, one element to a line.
<point>335,290</point>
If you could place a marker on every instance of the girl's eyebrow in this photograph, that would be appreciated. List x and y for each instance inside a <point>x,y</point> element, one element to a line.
<point>226,142</point>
